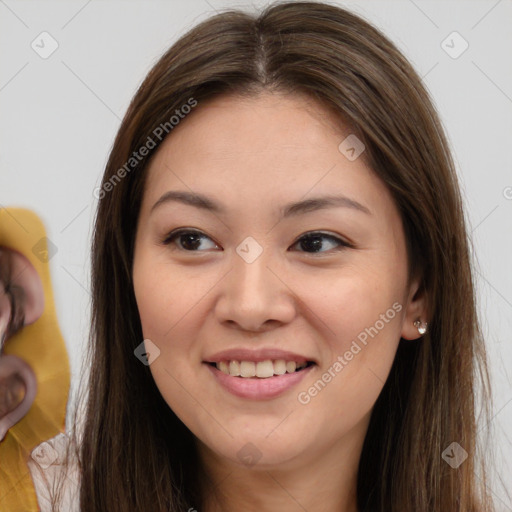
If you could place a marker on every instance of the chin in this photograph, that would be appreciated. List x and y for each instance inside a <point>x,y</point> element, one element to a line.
<point>258,452</point>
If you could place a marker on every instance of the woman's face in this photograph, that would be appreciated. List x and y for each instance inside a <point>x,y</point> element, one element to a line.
<point>272,271</point>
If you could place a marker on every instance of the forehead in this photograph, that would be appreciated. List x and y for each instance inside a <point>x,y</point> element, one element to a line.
<point>264,121</point>
<point>271,141</point>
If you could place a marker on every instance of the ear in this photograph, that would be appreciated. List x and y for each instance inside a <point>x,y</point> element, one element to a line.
<point>416,309</point>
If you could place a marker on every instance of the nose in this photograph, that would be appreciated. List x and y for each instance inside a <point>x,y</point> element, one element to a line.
<point>254,296</point>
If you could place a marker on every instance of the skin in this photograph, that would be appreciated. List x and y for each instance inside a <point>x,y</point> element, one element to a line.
<point>254,156</point>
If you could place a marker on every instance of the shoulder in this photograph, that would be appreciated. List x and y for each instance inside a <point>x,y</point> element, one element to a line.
<point>54,481</point>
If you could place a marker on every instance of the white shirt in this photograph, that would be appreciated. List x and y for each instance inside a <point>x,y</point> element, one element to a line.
<point>46,465</point>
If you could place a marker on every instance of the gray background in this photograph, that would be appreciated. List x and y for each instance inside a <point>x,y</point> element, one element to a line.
<point>59,116</point>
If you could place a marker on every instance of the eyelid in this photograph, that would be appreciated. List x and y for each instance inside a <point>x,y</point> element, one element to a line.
<point>179,231</point>
<point>342,241</point>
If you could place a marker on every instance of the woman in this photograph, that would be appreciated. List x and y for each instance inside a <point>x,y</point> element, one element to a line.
<point>283,305</point>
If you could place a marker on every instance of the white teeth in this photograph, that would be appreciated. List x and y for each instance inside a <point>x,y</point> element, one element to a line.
<point>291,366</point>
<point>234,368</point>
<point>280,367</point>
<point>261,369</point>
<point>247,369</point>
<point>264,369</point>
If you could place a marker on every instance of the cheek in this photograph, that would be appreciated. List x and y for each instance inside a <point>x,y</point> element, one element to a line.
<point>353,300</point>
<point>172,304</point>
<point>362,312</point>
<point>165,299</point>
<point>164,296</point>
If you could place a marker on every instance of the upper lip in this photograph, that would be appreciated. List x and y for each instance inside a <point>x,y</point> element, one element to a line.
<point>256,355</point>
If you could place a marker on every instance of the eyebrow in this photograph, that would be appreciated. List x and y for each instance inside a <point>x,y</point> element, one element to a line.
<point>297,208</point>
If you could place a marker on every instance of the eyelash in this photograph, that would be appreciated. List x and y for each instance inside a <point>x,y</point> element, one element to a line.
<point>310,234</point>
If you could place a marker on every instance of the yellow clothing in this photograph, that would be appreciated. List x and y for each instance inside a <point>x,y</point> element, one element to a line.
<point>42,346</point>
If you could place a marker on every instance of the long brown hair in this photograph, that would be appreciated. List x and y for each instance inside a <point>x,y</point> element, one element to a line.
<point>134,453</point>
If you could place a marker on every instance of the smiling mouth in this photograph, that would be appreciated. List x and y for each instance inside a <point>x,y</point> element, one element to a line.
<point>260,369</point>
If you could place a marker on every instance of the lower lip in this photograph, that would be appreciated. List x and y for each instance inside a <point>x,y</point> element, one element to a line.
<point>257,388</point>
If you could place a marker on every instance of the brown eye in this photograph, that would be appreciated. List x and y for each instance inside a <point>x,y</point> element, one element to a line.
<point>187,240</point>
<point>314,241</point>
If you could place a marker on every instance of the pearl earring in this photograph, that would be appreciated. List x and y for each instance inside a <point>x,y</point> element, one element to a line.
<point>422,327</point>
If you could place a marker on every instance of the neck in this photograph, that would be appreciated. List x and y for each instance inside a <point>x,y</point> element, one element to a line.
<point>320,481</point>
